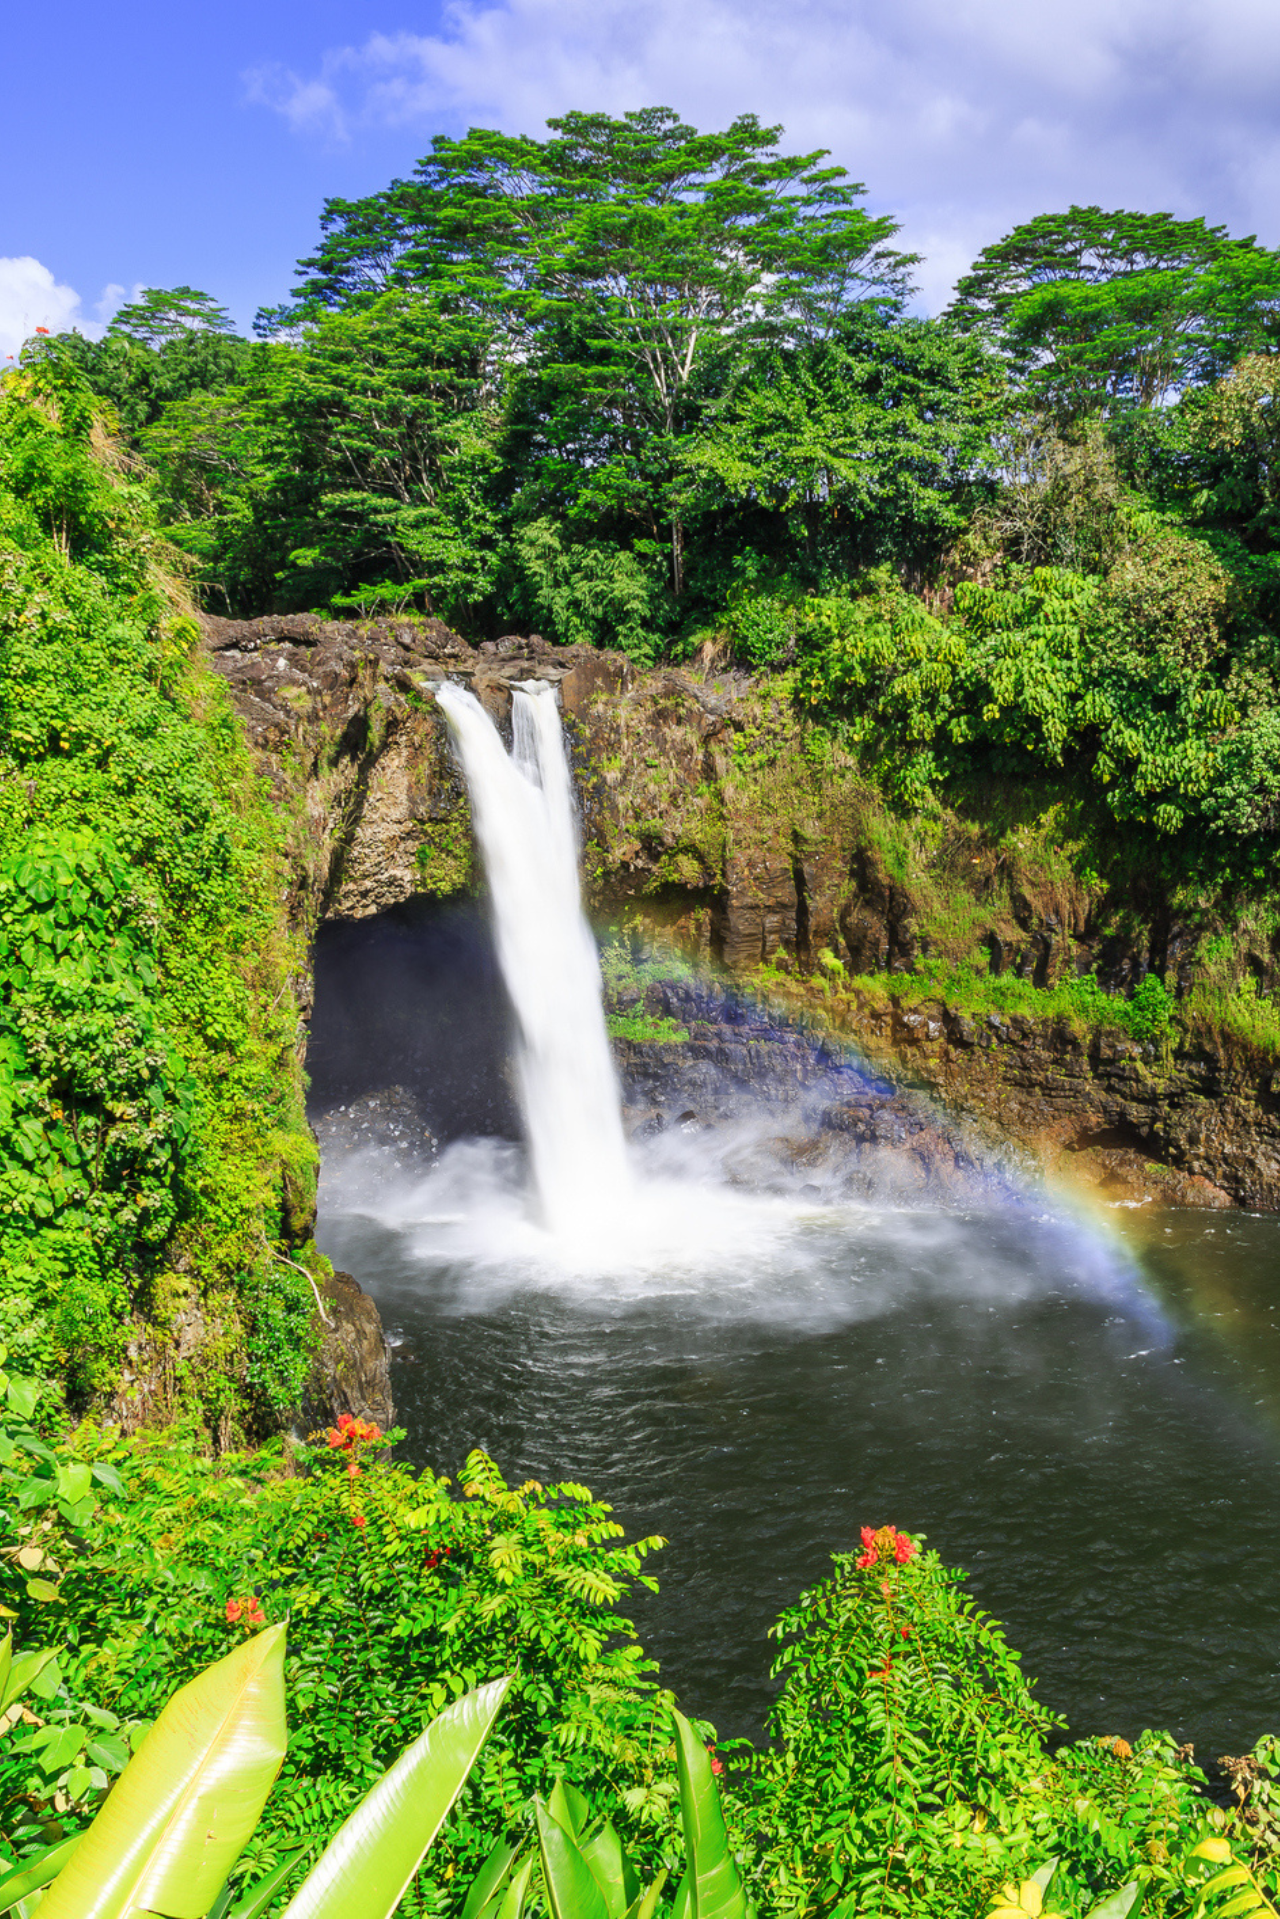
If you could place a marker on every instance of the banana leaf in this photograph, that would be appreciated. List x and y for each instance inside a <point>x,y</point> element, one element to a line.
<point>364,1870</point>
<point>646,1904</point>
<point>266,1889</point>
<point>491,1879</point>
<point>567,1804</point>
<point>189,1799</point>
<point>606,1855</point>
<point>572,1892</point>
<point>22,1880</point>
<point>513,1899</point>
<point>715,1891</point>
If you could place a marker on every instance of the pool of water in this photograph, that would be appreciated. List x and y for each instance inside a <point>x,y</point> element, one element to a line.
<point>1086,1416</point>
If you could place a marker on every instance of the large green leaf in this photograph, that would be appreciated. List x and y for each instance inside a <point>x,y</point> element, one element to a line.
<point>21,1673</point>
<point>570,1807</point>
<point>606,1855</point>
<point>572,1892</point>
<point>189,1798</point>
<point>647,1904</point>
<point>491,1879</point>
<point>714,1887</point>
<point>1125,1904</point>
<point>257,1901</point>
<point>364,1870</point>
<point>511,1903</point>
<point>28,1877</point>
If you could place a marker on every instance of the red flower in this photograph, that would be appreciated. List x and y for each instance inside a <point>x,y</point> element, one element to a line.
<point>882,1672</point>
<point>42,329</point>
<point>717,1764</point>
<point>357,1519</point>
<point>885,1542</point>
<point>350,1431</point>
<point>245,1612</point>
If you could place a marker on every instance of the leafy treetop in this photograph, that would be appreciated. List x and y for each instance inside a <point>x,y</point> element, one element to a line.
<point>1103,309</point>
<point>655,239</point>
<point>160,314</point>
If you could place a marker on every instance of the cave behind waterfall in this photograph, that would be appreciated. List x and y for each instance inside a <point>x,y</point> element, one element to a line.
<point>412,999</point>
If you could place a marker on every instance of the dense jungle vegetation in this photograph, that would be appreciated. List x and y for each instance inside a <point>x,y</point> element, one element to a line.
<point>153,1147</point>
<point>911,1767</point>
<point>635,386</point>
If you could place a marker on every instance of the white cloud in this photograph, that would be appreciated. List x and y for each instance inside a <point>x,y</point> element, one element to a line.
<point>30,298</point>
<point>310,106</point>
<point>962,119</point>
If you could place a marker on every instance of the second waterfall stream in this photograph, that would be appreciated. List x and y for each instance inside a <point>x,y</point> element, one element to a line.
<point>522,806</point>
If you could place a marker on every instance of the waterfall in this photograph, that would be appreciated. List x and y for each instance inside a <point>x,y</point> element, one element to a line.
<point>522,805</point>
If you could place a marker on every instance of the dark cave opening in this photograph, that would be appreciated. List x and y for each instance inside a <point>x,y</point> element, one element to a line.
<point>412,998</point>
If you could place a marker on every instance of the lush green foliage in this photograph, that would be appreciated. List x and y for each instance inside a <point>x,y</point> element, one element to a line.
<point>558,383</point>
<point>1113,309</point>
<point>911,1769</point>
<point>148,1084</point>
<point>174,1828</point>
<point>906,1738</point>
<point>583,1870</point>
<point>402,1593</point>
<point>1129,679</point>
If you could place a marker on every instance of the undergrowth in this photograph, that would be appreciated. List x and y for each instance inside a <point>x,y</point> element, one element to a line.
<point>154,1160</point>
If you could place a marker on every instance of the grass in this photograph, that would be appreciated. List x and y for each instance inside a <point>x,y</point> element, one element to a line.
<point>1226,1013</point>
<point>647,1029</point>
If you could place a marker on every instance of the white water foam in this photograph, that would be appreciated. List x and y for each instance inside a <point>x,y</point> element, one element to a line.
<point>585,1216</point>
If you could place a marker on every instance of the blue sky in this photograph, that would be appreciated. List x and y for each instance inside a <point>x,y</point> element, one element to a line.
<point>152,145</point>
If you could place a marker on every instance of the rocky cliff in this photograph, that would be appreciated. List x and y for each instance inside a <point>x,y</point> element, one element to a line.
<point>716,822</point>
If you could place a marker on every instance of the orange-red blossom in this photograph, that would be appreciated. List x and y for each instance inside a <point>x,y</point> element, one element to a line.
<point>885,1543</point>
<point>245,1612</point>
<point>349,1432</point>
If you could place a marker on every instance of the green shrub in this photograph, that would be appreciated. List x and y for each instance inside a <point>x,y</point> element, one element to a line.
<point>156,1144</point>
<point>1128,683</point>
<point>907,1741</point>
<point>402,1592</point>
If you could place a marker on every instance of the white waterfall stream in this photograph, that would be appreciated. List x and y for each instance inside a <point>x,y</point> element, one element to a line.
<point>523,808</point>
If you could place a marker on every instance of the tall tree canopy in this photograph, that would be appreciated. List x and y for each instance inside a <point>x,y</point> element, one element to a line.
<point>1103,310</point>
<point>616,263</point>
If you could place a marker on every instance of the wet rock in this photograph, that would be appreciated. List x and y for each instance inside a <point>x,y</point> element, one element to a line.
<point>350,1373</point>
<point>777,1109</point>
<point>373,1144</point>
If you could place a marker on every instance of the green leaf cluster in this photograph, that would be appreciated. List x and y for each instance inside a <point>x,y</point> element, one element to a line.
<point>149,1085</point>
<point>1103,310</point>
<point>1129,682</point>
<point>402,1592</point>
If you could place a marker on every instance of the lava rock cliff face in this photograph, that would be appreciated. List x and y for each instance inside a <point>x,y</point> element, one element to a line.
<point>709,823</point>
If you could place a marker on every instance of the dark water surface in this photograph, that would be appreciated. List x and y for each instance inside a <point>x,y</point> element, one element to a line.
<point>1093,1432</point>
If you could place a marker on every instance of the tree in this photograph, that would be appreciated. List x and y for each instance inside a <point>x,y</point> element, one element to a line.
<point>617,258</point>
<point>357,460</point>
<point>871,441</point>
<point>1108,310</point>
<point>167,345</point>
<point>162,314</point>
